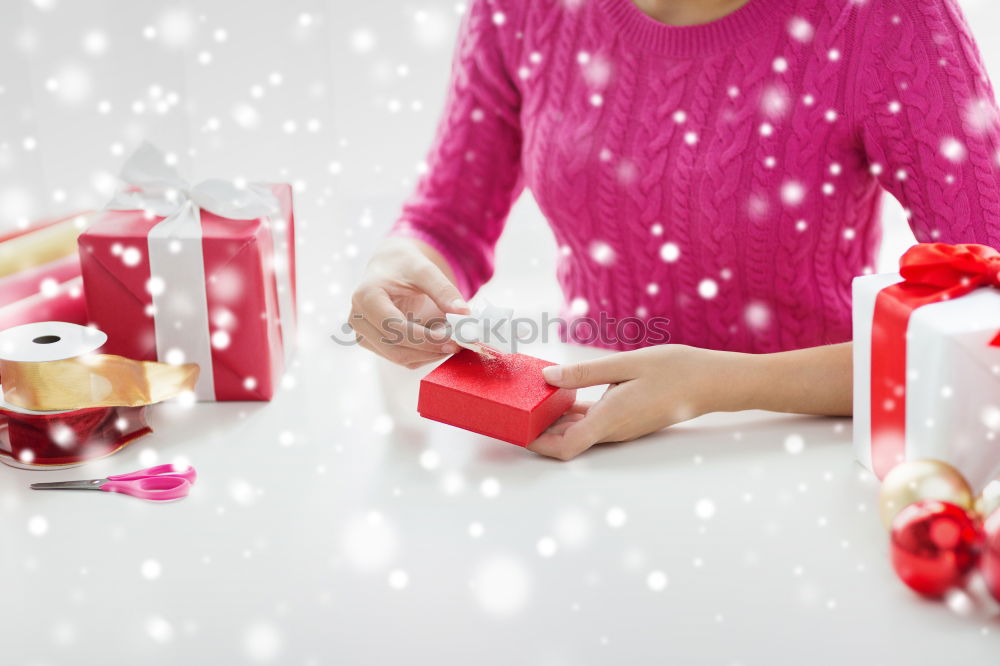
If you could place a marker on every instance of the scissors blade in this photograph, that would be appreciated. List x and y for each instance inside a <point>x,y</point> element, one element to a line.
<point>90,484</point>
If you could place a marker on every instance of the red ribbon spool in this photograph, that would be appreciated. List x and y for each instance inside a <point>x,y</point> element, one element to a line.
<point>61,439</point>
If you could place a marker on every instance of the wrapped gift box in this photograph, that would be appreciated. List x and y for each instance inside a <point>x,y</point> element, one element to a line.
<point>504,397</point>
<point>927,361</point>
<point>201,274</point>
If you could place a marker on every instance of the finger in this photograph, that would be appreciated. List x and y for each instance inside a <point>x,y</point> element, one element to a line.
<point>430,280</point>
<point>566,443</point>
<point>580,407</point>
<point>373,339</point>
<point>605,370</point>
<point>380,312</point>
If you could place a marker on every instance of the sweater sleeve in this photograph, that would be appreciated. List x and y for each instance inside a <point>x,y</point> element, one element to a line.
<point>472,178</point>
<point>929,121</point>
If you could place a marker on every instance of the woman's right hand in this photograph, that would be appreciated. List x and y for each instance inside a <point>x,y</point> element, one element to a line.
<point>397,310</point>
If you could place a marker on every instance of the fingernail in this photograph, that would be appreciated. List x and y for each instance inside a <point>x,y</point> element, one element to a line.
<point>459,304</point>
<point>552,373</point>
<point>450,348</point>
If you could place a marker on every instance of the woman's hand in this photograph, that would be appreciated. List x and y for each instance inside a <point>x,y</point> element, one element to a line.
<point>656,387</point>
<point>398,307</point>
<point>650,389</point>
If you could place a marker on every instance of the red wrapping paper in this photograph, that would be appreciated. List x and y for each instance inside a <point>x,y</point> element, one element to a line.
<point>504,397</point>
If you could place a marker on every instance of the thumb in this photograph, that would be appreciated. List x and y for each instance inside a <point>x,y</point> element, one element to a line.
<point>430,280</point>
<point>605,370</point>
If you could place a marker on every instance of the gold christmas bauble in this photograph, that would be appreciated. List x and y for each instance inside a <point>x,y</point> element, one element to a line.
<point>914,480</point>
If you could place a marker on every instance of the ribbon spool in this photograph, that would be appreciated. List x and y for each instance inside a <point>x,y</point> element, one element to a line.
<point>60,439</point>
<point>63,404</point>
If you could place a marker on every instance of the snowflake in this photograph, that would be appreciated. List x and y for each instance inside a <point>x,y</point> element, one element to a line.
<point>572,527</point>
<point>430,459</point>
<point>704,508</point>
<point>981,115</point>
<point>398,579</point>
<point>800,29</point>
<point>369,542</point>
<point>151,569</point>
<point>362,40</point>
<point>952,149</point>
<point>579,306</point>
<point>757,315</point>
<point>95,43</point>
<point>792,193</point>
<point>159,629</point>
<point>547,547</point>
<point>501,585</point>
<point>774,101</point>
<point>669,252</point>
<point>708,288</point>
<point>616,517</point>
<point>38,526</point>
<point>262,642</point>
<point>794,444</point>
<point>657,580</point>
<point>597,72</point>
<point>489,487</point>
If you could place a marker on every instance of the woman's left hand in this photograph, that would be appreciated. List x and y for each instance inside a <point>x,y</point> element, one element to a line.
<point>650,389</point>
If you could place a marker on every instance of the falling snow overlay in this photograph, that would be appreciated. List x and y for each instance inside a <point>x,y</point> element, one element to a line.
<point>332,526</point>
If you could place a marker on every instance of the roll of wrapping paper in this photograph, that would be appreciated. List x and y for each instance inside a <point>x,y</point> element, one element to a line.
<point>53,366</point>
<point>41,245</point>
<point>66,304</point>
<point>33,280</point>
<point>53,440</point>
<point>39,224</point>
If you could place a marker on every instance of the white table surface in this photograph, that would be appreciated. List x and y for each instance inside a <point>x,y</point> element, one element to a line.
<point>333,526</point>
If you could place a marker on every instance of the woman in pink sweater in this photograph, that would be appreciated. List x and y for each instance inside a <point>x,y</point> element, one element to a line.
<point>711,169</point>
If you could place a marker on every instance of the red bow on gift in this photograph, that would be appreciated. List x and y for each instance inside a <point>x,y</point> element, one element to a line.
<point>946,266</point>
<point>931,272</point>
<point>952,270</point>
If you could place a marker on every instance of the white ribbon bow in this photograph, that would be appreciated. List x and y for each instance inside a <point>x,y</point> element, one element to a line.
<point>153,185</point>
<point>174,245</point>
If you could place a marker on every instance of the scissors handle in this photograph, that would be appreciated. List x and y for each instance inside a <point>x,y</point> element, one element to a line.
<point>157,488</point>
<point>168,469</point>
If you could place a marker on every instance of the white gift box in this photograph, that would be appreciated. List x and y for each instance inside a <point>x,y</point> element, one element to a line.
<point>952,382</point>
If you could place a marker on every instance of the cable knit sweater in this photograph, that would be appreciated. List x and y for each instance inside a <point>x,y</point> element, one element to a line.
<point>715,185</point>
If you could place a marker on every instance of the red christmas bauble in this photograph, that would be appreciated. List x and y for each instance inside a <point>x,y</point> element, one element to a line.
<point>990,563</point>
<point>934,546</point>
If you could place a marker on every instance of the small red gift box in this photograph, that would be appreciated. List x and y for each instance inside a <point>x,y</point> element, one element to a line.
<point>504,397</point>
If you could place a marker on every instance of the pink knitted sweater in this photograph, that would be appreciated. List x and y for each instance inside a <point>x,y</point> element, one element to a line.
<point>718,183</point>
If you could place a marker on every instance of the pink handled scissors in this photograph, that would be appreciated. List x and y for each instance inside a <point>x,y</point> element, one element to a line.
<point>160,483</point>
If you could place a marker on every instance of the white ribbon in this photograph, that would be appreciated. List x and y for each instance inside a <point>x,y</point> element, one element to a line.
<point>486,325</point>
<point>176,263</point>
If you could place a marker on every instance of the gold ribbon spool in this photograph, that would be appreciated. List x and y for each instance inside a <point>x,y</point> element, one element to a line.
<point>68,375</point>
